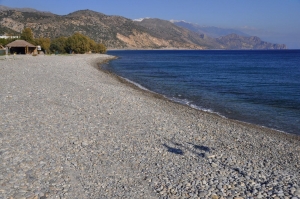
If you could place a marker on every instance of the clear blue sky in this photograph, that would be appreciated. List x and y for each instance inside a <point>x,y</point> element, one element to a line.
<point>275,21</point>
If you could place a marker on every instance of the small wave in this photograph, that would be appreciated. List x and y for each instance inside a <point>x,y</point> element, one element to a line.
<point>190,104</point>
<point>138,85</point>
<point>174,99</point>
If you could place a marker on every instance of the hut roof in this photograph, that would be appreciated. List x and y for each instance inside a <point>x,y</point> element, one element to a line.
<point>20,43</point>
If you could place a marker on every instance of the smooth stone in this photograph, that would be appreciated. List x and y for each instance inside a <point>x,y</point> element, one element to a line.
<point>214,197</point>
<point>214,165</point>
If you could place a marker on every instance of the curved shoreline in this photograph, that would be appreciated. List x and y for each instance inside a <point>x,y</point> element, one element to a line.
<point>69,130</point>
<point>160,96</point>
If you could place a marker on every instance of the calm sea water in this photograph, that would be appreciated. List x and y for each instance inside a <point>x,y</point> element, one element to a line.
<point>260,87</point>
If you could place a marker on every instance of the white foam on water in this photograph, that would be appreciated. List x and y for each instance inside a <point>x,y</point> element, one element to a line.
<point>136,84</point>
<point>174,99</point>
<point>190,104</point>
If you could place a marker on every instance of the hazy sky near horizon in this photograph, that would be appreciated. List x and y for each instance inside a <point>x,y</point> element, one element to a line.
<point>276,21</point>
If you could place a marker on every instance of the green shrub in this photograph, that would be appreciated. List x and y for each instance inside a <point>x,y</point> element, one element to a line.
<point>78,43</point>
<point>58,45</point>
<point>4,42</point>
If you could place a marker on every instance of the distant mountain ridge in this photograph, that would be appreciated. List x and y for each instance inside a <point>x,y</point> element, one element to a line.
<point>211,31</point>
<point>118,32</point>
<point>171,32</point>
<point>237,42</point>
<point>4,8</point>
<point>231,41</point>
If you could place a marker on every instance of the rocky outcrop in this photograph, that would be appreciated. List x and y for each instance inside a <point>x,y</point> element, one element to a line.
<point>145,41</point>
<point>12,24</point>
<point>234,41</point>
<point>170,32</point>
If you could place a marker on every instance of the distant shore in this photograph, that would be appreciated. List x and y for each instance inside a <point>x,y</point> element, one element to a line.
<point>71,130</point>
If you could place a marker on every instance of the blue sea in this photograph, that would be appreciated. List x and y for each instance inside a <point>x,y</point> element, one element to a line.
<point>260,87</point>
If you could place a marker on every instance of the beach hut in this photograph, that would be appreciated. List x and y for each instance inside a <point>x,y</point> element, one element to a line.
<point>21,47</point>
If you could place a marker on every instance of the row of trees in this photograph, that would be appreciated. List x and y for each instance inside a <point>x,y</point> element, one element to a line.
<point>77,43</point>
<point>3,41</point>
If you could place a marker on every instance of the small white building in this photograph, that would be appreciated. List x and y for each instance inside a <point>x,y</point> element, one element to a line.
<point>9,37</point>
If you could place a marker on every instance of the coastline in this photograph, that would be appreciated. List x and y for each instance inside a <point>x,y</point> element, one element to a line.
<point>160,96</point>
<point>274,108</point>
<point>73,131</point>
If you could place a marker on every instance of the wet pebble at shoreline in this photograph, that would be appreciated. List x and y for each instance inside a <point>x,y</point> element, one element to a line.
<point>68,130</point>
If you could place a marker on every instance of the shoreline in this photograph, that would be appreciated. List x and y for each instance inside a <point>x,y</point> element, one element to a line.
<point>183,49</point>
<point>71,130</point>
<point>160,96</point>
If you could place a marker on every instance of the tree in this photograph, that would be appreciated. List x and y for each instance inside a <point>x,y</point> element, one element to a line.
<point>99,48</point>
<point>58,45</point>
<point>4,42</point>
<point>78,43</point>
<point>102,48</point>
<point>27,35</point>
<point>44,43</point>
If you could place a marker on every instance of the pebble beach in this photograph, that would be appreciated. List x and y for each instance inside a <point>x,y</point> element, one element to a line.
<point>70,130</point>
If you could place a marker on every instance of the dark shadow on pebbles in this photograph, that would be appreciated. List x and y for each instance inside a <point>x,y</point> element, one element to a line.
<point>199,150</point>
<point>173,150</point>
<point>200,147</point>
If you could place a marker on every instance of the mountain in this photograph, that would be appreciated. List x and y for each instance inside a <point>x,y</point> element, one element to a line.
<point>236,42</point>
<point>210,31</point>
<point>4,30</point>
<point>171,32</point>
<point>115,32</point>
<point>4,8</point>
